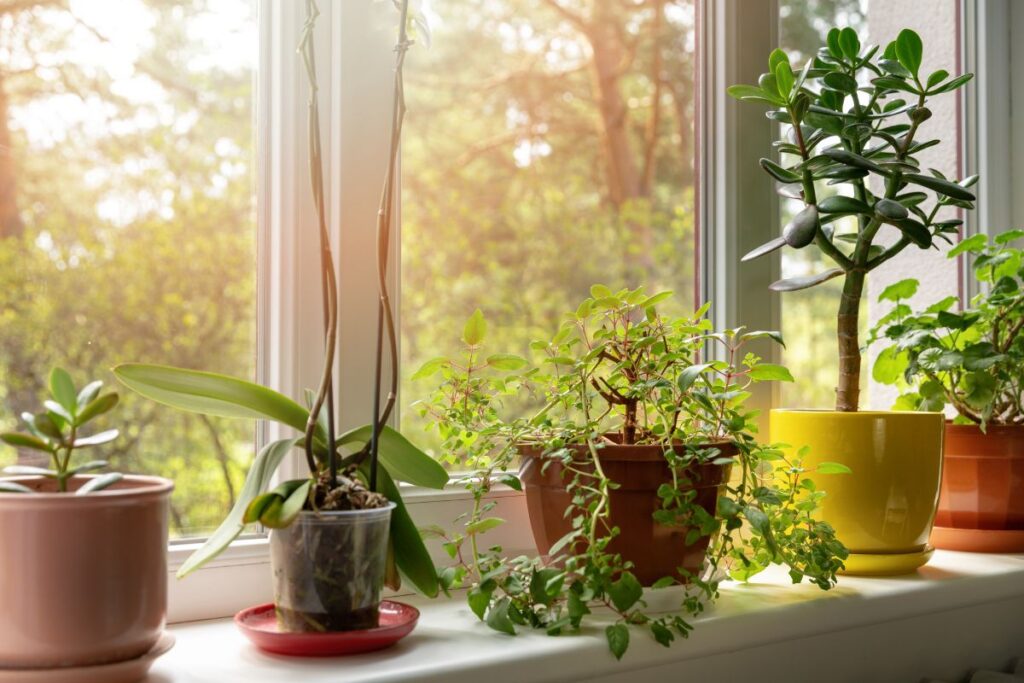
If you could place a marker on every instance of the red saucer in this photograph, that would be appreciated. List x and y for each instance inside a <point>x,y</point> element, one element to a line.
<point>259,624</point>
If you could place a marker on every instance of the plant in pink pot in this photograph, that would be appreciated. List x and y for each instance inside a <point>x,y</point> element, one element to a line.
<point>83,574</point>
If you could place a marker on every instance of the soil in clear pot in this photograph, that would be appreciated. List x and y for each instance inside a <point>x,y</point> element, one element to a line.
<point>329,568</point>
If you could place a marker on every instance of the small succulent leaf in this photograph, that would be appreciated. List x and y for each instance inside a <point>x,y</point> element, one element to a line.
<point>29,471</point>
<point>97,439</point>
<point>26,441</point>
<point>765,248</point>
<point>59,410</point>
<point>842,204</point>
<point>63,390</point>
<point>88,393</point>
<point>946,187</point>
<point>800,231</point>
<point>909,50</point>
<point>914,231</point>
<point>13,487</point>
<point>97,407</point>
<point>99,483</point>
<point>783,175</point>
<point>889,209</point>
<point>90,466</point>
<point>849,43</point>
<point>804,281</point>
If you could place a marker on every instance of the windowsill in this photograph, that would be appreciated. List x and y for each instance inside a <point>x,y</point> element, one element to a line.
<point>960,611</point>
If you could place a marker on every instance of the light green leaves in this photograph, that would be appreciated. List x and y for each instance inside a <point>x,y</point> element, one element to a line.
<point>475,329</point>
<point>904,289</point>
<point>832,468</point>
<point>506,361</point>
<point>279,508</point>
<point>399,456</point>
<point>909,50</point>
<point>768,372</point>
<point>974,244</point>
<point>63,390</point>
<point>211,394</point>
<point>889,365</point>
<point>430,368</point>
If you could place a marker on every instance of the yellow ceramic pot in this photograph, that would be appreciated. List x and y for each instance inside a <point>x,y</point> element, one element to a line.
<point>883,512</point>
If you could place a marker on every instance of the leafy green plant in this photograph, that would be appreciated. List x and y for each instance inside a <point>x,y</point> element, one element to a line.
<point>373,457</point>
<point>852,115</point>
<point>972,360</point>
<point>56,431</point>
<point>618,371</point>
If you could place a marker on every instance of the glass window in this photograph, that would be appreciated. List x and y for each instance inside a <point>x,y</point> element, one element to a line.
<point>128,221</point>
<point>549,146</point>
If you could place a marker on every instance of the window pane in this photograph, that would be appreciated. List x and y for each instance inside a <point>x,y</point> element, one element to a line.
<point>548,147</point>
<point>809,316</point>
<point>127,221</point>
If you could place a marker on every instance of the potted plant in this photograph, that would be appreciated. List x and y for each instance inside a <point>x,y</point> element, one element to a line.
<point>342,531</point>
<point>639,464</point>
<point>76,544</point>
<point>973,362</point>
<point>852,116</point>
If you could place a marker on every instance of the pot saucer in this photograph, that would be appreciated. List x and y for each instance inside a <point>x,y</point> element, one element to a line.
<point>259,624</point>
<point>886,564</point>
<point>978,540</point>
<point>128,671</point>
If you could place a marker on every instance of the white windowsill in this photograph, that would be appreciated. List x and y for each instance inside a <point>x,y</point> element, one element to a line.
<point>961,611</point>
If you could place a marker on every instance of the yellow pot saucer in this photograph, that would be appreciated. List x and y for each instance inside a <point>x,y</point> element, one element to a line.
<point>886,564</point>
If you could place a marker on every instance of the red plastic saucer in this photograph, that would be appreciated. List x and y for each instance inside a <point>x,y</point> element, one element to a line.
<point>259,624</point>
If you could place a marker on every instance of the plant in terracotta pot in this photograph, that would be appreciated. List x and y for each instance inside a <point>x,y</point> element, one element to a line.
<point>76,543</point>
<point>342,531</point>
<point>640,468</point>
<point>973,362</point>
<point>852,117</point>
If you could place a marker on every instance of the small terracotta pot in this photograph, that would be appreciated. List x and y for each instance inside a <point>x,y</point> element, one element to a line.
<point>83,579</point>
<point>981,505</point>
<point>655,550</point>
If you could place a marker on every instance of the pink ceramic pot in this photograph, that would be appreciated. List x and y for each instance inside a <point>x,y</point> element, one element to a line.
<point>83,579</point>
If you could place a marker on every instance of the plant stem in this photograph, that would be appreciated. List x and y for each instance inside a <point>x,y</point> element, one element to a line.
<point>848,390</point>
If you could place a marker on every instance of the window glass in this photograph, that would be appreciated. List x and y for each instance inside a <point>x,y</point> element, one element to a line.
<point>127,221</point>
<point>549,146</point>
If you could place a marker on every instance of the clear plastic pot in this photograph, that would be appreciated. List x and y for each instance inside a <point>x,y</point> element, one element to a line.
<point>329,569</point>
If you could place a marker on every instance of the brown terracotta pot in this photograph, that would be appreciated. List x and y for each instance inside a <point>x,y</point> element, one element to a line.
<point>654,549</point>
<point>981,505</point>
<point>83,579</point>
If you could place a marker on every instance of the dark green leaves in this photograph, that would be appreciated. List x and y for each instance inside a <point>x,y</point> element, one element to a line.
<point>844,205</point>
<point>890,210</point>
<point>625,592</point>
<point>618,639</point>
<point>909,50</point>
<point>793,284</point>
<point>499,620</point>
<point>781,174</point>
<point>765,248</point>
<point>849,43</point>
<point>841,82</point>
<point>800,231</point>
<point>950,189</point>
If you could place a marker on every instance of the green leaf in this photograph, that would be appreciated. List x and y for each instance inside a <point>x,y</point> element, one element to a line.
<point>1008,236</point>
<point>625,592</point>
<point>618,639</point>
<point>402,459</point>
<point>752,93</point>
<point>952,84</point>
<point>832,468</point>
<point>915,231</point>
<point>97,407</point>
<point>893,83</point>
<point>768,372</point>
<point>482,525</point>
<point>889,365</point>
<point>784,78</point>
<point>88,394</point>
<point>476,328</point>
<point>837,80</point>
<point>99,483</point>
<point>783,175</point>
<point>974,244</point>
<point>774,335</point>
<point>97,439</point>
<point>25,441</point>
<point>507,361</point>
<point>430,368</point>
<point>765,248</point>
<point>284,505</point>
<point>663,635</point>
<point>904,289</point>
<point>849,43</point>
<point>840,204</point>
<point>889,209</point>
<point>256,482</point>
<point>29,471</point>
<point>801,231</point>
<point>211,394</point>
<point>950,189</point>
<point>936,77</point>
<point>13,487</point>
<point>690,374</point>
<point>793,284</point>
<point>832,41</point>
<point>63,389</point>
<point>59,410</point>
<point>498,619</point>
<point>411,554</point>
<point>909,50</point>
<point>88,467</point>
<point>478,601</point>
<point>777,56</point>
<point>981,356</point>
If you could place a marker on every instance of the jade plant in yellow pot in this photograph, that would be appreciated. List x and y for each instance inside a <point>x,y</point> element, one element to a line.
<point>852,118</point>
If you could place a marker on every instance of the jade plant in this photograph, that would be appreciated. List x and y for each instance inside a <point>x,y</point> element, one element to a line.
<point>358,468</point>
<point>57,431</point>
<point>618,371</point>
<point>972,360</point>
<point>852,116</point>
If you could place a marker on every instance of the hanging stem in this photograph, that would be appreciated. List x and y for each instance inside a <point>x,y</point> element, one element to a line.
<point>329,285</point>
<point>385,218</point>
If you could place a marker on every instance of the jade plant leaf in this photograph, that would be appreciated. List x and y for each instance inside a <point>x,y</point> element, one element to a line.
<point>63,389</point>
<point>99,483</point>
<point>211,394</point>
<point>25,441</point>
<point>13,487</point>
<point>256,482</point>
<point>793,284</point>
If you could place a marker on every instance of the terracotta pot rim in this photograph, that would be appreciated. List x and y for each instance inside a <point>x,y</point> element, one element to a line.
<point>860,413</point>
<point>131,487</point>
<point>989,428</point>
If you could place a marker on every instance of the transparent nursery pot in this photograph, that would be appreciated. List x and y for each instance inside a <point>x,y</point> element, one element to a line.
<point>329,569</point>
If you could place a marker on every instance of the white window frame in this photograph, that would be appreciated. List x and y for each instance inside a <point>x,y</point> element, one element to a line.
<point>355,60</point>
